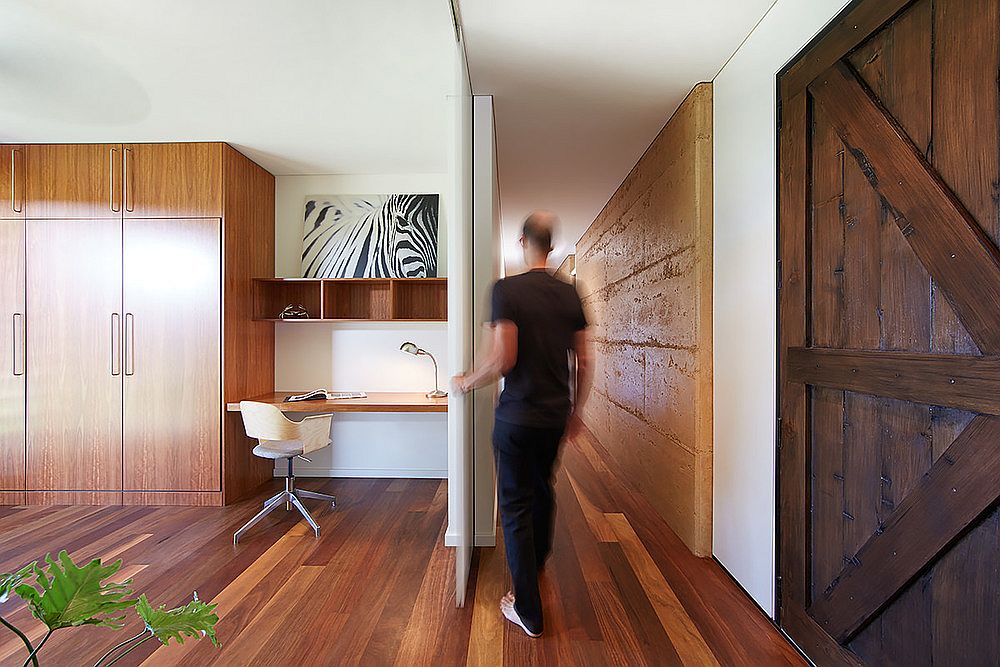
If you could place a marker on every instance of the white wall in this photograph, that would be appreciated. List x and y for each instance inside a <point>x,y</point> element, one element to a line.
<point>487,242</point>
<point>745,300</point>
<point>461,527</point>
<point>362,356</point>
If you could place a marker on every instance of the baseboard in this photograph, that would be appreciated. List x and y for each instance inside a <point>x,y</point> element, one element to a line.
<point>396,473</point>
<point>480,540</point>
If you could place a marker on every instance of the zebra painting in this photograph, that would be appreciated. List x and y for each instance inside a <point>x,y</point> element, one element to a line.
<point>370,236</point>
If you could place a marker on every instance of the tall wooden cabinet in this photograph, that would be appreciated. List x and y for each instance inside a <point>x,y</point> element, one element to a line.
<point>128,324</point>
<point>73,359</point>
<point>12,377</point>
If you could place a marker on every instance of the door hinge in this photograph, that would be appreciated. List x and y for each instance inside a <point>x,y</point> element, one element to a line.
<point>778,113</point>
<point>777,431</point>
<point>779,273</point>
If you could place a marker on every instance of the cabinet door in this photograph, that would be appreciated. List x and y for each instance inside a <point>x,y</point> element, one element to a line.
<point>173,180</point>
<point>12,351</point>
<point>73,181</point>
<point>11,181</point>
<point>173,396</point>
<point>74,384</point>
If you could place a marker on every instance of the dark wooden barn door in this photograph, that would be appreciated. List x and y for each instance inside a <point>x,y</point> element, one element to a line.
<point>890,337</point>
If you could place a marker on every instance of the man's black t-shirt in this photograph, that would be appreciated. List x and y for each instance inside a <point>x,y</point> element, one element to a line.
<point>548,313</point>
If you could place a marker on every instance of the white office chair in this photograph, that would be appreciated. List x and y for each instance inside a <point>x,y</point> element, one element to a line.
<point>282,438</point>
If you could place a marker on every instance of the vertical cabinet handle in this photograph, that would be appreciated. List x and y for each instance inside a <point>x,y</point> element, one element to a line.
<point>129,181</point>
<point>15,195</point>
<point>113,202</point>
<point>116,344</point>
<point>129,344</point>
<point>18,344</point>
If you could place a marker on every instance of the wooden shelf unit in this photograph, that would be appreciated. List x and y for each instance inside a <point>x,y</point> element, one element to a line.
<point>353,299</point>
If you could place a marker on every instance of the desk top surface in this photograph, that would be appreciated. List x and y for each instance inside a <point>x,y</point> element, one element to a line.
<point>377,401</point>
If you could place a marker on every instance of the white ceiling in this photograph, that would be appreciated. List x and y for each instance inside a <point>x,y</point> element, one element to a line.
<point>302,86</point>
<point>581,87</point>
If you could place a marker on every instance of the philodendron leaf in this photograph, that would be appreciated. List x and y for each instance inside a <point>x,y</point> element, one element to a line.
<point>8,582</point>
<point>67,595</point>
<point>195,619</point>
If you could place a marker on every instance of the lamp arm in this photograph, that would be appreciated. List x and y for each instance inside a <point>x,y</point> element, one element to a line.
<point>436,386</point>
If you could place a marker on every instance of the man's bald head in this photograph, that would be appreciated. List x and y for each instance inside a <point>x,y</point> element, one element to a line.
<point>537,231</point>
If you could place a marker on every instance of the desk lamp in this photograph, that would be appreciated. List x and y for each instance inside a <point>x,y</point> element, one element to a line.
<point>410,348</point>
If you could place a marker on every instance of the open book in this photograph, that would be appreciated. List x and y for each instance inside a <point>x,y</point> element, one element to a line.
<point>324,395</point>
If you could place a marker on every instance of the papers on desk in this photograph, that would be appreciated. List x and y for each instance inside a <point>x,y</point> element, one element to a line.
<point>324,395</point>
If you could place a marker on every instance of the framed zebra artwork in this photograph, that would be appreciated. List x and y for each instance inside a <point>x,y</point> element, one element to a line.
<point>370,236</point>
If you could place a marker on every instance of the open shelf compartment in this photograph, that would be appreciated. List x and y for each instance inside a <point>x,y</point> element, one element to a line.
<point>357,299</point>
<point>373,299</point>
<point>420,299</point>
<point>271,295</point>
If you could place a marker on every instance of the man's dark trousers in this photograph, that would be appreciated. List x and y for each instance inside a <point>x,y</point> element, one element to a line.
<point>525,458</point>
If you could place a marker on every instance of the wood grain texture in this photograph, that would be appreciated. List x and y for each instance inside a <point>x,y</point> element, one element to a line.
<point>937,226</point>
<point>73,498</point>
<point>357,299</point>
<point>12,352</point>
<point>963,483</point>
<point>419,299</point>
<point>907,279</point>
<point>399,401</point>
<point>247,346</point>
<point>378,584</point>
<point>11,498</point>
<point>173,498</point>
<point>966,152</point>
<point>172,378</point>
<point>644,272</point>
<point>173,180</point>
<point>74,399</point>
<point>794,282</point>
<point>271,296</point>
<point>11,182</point>
<point>843,34</point>
<point>968,383</point>
<point>73,181</point>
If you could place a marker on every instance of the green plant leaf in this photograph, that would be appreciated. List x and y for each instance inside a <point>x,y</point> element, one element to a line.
<point>8,582</point>
<point>67,595</point>
<point>195,619</point>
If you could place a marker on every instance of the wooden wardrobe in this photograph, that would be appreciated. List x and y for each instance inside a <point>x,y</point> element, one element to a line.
<point>127,307</point>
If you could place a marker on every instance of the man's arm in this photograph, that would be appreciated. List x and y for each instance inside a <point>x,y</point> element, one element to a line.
<point>499,360</point>
<point>584,353</point>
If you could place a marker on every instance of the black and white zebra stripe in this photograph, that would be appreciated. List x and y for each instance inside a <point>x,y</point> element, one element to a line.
<point>371,236</point>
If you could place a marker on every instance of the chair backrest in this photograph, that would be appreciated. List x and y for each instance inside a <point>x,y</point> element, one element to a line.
<point>266,422</point>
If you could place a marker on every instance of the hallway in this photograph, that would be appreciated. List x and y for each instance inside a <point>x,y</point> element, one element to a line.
<point>376,589</point>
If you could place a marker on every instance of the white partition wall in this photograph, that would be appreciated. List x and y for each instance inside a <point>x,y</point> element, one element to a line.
<point>745,292</point>
<point>460,328</point>
<point>486,246</point>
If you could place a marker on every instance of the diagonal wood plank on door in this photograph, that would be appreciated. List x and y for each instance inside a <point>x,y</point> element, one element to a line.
<point>941,231</point>
<point>959,487</point>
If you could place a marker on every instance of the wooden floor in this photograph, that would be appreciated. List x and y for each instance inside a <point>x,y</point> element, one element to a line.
<point>377,588</point>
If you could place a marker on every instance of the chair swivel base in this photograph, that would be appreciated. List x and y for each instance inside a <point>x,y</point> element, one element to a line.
<point>290,496</point>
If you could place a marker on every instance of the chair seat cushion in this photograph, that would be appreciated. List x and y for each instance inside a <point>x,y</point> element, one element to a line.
<point>278,450</point>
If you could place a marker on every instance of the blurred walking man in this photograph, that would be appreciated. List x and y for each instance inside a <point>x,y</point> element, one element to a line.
<point>539,329</point>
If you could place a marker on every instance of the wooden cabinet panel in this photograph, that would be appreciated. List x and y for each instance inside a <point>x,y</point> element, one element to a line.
<point>172,366</point>
<point>12,328</point>
<point>73,180</point>
<point>74,387</point>
<point>173,180</point>
<point>11,181</point>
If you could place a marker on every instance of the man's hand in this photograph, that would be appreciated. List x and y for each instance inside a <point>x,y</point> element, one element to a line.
<point>573,427</point>
<point>461,384</point>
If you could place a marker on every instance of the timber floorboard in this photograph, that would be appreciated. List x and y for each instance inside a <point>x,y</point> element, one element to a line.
<point>377,587</point>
